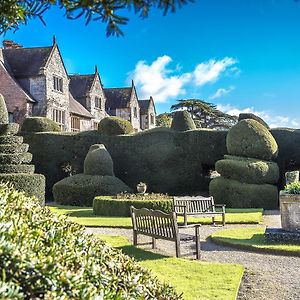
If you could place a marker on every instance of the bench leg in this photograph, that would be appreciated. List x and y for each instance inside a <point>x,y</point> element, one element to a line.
<point>153,243</point>
<point>185,219</point>
<point>223,219</point>
<point>213,221</point>
<point>197,236</point>
<point>135,238</point>
<point>177,245</point>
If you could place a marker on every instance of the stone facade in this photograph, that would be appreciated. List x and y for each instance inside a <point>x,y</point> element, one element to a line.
<point>147,113</point>
<point>44,88</point>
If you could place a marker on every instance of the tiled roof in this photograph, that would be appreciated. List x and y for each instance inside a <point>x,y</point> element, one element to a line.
<point>117,97</point>
<point>25,62</point>
<point>80,85</point>
<point>144,106</point>
<point>77,109</point>
<point>12,91</point>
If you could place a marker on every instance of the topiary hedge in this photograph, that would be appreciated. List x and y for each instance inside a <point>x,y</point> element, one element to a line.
<point>110,206</point>
<point>31,184</point>
<point>251,139</point>
<point>13,148</point>
<point>182,121</point>
<point>29,169</point>
<point>39,124</point>
<point>9,129</point>
<point>248,170</point>
<point>45,256</point>
<point>251,116</point>
<point>115,126</point>
<point>8,139</point>
<point>81,189</point>
<point>240,195</point>
<point>17,158</point>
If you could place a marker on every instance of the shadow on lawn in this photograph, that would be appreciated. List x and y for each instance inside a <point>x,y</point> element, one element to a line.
<point>140,254</point>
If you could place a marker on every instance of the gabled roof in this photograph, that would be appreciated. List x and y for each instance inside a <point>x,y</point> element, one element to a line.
<point>118,97</point>
<point>11,90</point>
<point>77,109</point>
<point>80,85</point>
<point>145,105</point>
<point>25,62</point>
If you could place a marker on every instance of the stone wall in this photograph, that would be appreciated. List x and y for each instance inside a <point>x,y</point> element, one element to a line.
<point>37,88</point>
<point>135,120</point>
<point>56,99</point>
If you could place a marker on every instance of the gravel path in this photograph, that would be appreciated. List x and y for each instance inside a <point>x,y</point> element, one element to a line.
<point>272,277</point>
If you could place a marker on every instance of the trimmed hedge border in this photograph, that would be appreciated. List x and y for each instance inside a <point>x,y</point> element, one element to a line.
<point>13,148</point>
<point>109,206</point>
<point>31,184</point>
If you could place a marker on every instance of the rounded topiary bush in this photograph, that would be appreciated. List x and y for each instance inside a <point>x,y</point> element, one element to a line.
<point>243,195</point>
<point>249,138</point>
<point>115,126</point>
<point>81,189</point>
<point>182,121</point>
<point>30,184</point>
<point>46,256</point>
<point>248,170</point>
<point>251,116</point>
<point>39,124</point>
<point>98,161</point>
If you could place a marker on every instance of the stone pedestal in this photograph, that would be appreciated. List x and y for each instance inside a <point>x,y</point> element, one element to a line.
<point>290,211</point>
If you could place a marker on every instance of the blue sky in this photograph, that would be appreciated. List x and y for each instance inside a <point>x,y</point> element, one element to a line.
<point>240,55</point>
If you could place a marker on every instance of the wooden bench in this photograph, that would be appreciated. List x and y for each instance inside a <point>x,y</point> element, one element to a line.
<point>198,206</point>
<point>160,225</point>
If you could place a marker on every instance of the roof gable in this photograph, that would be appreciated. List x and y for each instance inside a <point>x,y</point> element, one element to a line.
<point>145,105</point>
<point>80,85</point>
<point>26,62</point>
<point>118,97</point>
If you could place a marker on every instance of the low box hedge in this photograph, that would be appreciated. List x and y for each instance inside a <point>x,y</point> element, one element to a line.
<point>111,206</point>
<point>45,256</point>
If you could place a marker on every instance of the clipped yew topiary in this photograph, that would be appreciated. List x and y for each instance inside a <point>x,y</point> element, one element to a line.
<point>253,117</point>
<point>39,124</point>
<point>81,189</point>
<point>3,111</point>
<point>237,194</point>
<point>248,170</point>
<point>182,121</point>
<point>98,179</point>
<point>45,256</point>
<point>249,138</point>
<point>115,126</point>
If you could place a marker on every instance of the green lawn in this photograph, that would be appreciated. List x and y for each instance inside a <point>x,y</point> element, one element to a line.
<point>253,238</point>
<point>85,216</point>
<point>195,279</point>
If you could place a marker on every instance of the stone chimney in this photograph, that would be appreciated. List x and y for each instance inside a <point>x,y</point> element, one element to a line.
<point>9,44</point>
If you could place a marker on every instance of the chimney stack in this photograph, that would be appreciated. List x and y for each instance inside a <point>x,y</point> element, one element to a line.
<point>9,44</point>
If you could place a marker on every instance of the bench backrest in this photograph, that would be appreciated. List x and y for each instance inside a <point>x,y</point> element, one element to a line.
<point>193,204</point>
<point>154,223</point>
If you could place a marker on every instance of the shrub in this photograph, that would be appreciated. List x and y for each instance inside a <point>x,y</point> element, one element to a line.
<point>45,256</point>
<point>249,138</point>
<point>243,195</point>
<point>29,169</point>
<point>13,148</point>
<point>98,161</point>
<point>8,139</point>
<point>115,126</point>
<point>9,129</point>
<point>81,189</point>
<point>292,176</point>
<point>182,121</point>
<point>251,116</point>
<point>30,184</point>
<point>39,124</point>
<point>18,158</point>
<point>248,170</point>
<point>292,188</point>
<point>109,206</point>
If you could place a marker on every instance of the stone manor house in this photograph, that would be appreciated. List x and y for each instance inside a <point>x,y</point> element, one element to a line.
<point>35,82</point>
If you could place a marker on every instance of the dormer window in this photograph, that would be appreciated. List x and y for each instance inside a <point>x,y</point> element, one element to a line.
<point>98,102</point>
<point>58,84</point>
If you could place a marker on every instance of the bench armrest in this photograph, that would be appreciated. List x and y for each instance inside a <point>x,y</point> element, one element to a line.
<point>189,226</point>
<point>220,205</point>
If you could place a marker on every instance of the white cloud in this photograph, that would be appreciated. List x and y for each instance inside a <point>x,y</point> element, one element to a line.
<point>210,71</point>
<point>272,120</point>
<point>157,80</point>
<point>221,92</point>
<point>163,83</point>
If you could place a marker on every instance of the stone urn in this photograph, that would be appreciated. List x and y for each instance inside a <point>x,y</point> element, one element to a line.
<point>290,211</point>
<point>141,188</point>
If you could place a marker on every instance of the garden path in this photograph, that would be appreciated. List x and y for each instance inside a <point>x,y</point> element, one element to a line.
<point>272,277</point>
